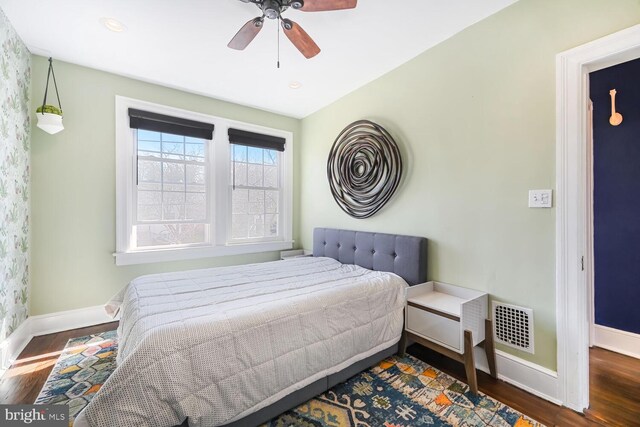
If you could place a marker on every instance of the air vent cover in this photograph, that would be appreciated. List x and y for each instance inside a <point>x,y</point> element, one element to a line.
<point>513,326</point>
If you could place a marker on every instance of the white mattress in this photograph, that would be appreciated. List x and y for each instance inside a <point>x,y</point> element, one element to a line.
<point>215,345</point>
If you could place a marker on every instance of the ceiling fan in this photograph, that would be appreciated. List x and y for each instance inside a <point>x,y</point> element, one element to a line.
<point>273,9</point>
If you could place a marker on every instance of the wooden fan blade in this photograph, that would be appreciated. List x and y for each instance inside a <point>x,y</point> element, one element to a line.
<point>300,39</point>
<point>246,34</point>
<point>325,5</point>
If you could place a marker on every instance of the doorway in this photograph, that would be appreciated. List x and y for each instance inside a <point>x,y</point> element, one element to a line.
<point>614,236</point>
<point>573,259</point>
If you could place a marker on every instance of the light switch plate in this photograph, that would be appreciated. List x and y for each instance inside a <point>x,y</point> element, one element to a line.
<point>540,198</point>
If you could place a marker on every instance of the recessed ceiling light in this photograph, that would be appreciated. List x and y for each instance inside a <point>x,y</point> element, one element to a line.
<point>295,85</point>
<point>113,25</point>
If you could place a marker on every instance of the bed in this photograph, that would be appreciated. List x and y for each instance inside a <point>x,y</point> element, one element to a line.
<point>236,346</point>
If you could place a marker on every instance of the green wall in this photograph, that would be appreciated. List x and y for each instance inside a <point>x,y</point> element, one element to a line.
<point>475,119</point>
<point>73,185</point>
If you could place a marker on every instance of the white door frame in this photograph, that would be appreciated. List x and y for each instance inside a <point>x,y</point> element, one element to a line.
<point>589,265</point>
<point>572,228</point>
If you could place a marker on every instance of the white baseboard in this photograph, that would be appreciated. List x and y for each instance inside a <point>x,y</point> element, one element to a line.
<point>622,342</point>
<point>535,379</point>
<point>44,324</point>
<point>12,346</point>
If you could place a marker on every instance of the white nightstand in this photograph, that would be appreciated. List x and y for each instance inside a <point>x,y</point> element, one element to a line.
<point>296,253</point>
<point>450,320</point>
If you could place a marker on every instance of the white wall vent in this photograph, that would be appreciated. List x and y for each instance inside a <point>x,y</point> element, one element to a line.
<point>513,326</point>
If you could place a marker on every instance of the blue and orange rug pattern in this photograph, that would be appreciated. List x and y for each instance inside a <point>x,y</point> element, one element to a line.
<point>84,365</point>
<point>398,392</point>
<point>402,392</point>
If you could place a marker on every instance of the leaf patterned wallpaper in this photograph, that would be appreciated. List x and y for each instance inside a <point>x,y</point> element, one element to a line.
<point>15,127</point>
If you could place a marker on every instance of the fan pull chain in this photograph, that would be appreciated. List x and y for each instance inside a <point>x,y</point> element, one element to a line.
<point>279,23</point>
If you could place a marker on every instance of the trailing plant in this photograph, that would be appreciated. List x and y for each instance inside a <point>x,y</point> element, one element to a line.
<point>50,109</point>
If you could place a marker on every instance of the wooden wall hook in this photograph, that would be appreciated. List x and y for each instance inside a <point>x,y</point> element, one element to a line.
<point>616,118</point>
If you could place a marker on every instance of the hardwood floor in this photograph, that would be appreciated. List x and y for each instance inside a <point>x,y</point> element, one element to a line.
<point>615,388</point>
<point>615,391</point>
<point>615,382</point>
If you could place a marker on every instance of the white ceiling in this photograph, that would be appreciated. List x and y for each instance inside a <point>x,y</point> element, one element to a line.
<point>183,44</point>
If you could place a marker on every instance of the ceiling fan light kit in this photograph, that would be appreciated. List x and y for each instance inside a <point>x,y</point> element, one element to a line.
<point>273,9</point>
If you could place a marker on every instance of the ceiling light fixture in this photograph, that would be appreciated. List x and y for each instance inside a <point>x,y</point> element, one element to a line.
<point>295,85</point>
<point>113,25</point>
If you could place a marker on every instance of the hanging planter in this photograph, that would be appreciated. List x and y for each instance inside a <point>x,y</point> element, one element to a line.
<point>49,116</point>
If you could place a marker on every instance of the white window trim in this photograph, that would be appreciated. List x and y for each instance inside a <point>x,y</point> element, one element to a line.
<point>219,173</point>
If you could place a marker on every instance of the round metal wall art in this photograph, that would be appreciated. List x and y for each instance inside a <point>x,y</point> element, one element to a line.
<point>364,168</point>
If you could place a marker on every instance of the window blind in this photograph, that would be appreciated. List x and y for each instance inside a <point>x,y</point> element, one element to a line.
<point>250,139</point>
<point>145,120</point>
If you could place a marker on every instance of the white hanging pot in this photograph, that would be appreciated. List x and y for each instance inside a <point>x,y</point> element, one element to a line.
<point>49,119</point>
<point>49,116</point>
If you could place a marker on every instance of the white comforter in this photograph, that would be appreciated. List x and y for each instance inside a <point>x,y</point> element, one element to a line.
<point>215,345</point>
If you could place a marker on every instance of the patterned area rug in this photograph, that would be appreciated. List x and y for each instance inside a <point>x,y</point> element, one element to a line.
<point>82,368</point>
<point>398,392</point>
<point>402,392</point>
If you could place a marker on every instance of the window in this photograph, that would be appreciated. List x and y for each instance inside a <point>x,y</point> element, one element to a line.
<point>255,193</point>
<point>190,185</point>
<point>256,185</point>
<point>172,192</point>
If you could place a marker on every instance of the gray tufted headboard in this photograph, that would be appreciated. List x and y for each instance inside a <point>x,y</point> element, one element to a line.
<point>405,256</point>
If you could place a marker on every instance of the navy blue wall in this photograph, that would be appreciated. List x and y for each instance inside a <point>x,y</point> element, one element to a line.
<point>617,197</point>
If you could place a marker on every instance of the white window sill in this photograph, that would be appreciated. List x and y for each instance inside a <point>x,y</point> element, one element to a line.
<point>181,254</point>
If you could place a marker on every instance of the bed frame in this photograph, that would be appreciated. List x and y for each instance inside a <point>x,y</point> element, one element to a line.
<point>405,256</point>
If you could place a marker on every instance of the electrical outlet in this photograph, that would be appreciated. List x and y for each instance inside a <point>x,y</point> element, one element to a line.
<point>540,198</point>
